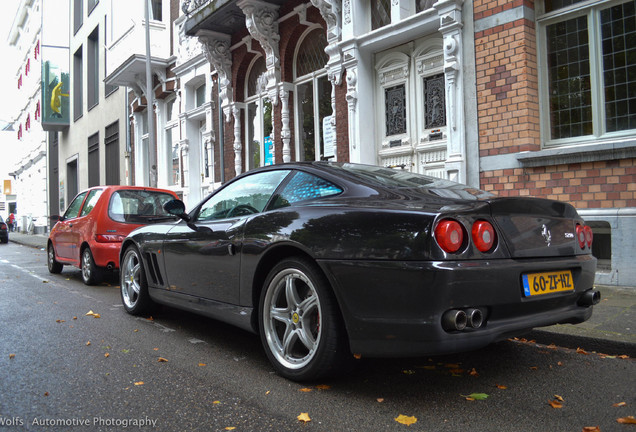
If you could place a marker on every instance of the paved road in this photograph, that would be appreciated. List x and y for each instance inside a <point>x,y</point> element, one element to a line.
<point>217,377</point>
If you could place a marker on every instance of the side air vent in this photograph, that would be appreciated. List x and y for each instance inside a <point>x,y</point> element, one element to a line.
<point>153,269</point>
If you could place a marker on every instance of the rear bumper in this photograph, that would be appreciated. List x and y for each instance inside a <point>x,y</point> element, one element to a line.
<point>396,308</point>
<point>106,253</point>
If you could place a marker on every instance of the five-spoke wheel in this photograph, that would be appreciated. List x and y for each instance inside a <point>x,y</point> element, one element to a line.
<point>134,288</point>
<point>90,272</point>
<point>301,326</point>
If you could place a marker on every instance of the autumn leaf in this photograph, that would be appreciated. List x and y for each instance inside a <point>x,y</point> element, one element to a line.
<point>74,317</point>
<point>216,402</point>
<point>59,321</point>
<point>323,387</point>
<point>88,343</point>
<point>582,351</point>
<point>623,356</point>
<point>357,356</point>
<point>304,417</point>
<point>474,372</point>
<point>230,428</point>
<point>306,390</point>
<point>161,360</point>
<point>555,404</point>
<point>202,364</point>
<point>106,355</point>
<point>626,420</point>
<point>405,420</point>
<point>11,356</point>
<point>139,383</point>
<point>408,372</point>
<point>501,387</point>
<point>93,314</point>
<point>591,429</point>
<point>380,400</point>
<point>476,396</point>
<point>559,398</point>
<point>620,404</point>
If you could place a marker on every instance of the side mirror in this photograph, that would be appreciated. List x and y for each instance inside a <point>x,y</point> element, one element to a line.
<point>176,207</point>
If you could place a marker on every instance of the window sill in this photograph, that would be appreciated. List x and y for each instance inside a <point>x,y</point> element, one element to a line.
<point>583,153</point>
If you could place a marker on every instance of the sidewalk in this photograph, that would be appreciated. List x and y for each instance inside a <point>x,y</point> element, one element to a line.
<point>611,330</point>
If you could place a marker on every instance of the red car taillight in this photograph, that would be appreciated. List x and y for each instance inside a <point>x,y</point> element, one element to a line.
<point>584,235</point>
<point>3,226</point>
<point>483,235</point>
<point>109,238</point>
<point>449,235</point>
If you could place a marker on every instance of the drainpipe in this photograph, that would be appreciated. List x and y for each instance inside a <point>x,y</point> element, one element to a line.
<point>221,134</point>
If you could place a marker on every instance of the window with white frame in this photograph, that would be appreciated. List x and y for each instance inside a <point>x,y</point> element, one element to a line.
<point>313,94</point>
<point>171,130</point>
<point>258,125</point>
<point>589,69</point>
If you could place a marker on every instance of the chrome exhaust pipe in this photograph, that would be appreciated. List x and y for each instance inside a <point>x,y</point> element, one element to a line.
<point>454,320</point>
<point>590,298</point>
<point>474,318</point>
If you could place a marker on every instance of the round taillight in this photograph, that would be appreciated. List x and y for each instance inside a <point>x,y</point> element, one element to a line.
<point>449,235</point>
<point>589,236</point>
<point>483,235</point>
<point>580,235</point>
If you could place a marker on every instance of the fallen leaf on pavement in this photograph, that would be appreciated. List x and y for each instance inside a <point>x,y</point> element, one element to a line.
<point>591,429</point>
<point>304,417</point>
<point>88,343</point>
<point>555,404</point>
<point>161,359</point>
<point>380,400</point>
<point>627,420</point>
<point>230,428</point>
<point>582,351</point>
<point>501,387</point>
<point>138,383</point>
<point>11,356</point>
<point>405,420</point>
<point>202,364</point>
<point>306,390</point>
<point>474,372</point>
<point>93,314</point>
<point>323,387</point>
<point>475,396</point>
<point>559,398</point>
<point>620,404</point>
<point>106,355</point>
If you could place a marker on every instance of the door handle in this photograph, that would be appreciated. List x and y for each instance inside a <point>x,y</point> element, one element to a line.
<point>231,250</point>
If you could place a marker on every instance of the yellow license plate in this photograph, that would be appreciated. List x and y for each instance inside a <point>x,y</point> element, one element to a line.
<point>535,284</point>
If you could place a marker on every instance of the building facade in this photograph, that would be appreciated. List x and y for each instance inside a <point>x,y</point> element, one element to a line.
<point>29,143</point>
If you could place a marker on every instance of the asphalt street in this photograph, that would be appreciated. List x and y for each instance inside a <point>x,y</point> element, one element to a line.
<point>61,369</point>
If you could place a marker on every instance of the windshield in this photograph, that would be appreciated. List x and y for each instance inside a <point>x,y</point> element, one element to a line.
<point>138,206</point>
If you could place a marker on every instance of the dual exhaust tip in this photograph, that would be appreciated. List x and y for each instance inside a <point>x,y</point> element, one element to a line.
<point>460,319</point>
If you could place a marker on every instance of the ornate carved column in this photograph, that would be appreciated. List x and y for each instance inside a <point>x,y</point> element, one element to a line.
<point>238,159</point>
<point>216,47</point>
<point>261,20</point>
<point>352,104</point>
<point>450,14</point>
<point>285,132</point>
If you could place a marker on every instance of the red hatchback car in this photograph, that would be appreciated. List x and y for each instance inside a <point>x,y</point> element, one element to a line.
<point>90,232</point>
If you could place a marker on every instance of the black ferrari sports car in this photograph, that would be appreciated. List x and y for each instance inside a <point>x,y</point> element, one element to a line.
<point>330,260</point>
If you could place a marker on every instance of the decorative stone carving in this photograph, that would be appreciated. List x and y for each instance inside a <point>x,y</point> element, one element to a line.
<point>216,47</point>
<point>285,132</point>
<point>352,103</point>
<point>347,11</point>
<point>238,160</point>
<point>261,20</point>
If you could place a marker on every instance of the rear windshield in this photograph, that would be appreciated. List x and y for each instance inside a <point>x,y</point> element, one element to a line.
<point>138,206</point>
<point>392,178</point>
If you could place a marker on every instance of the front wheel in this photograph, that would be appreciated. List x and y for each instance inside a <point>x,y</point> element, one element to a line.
<point>301,327</point>
<point>90,271</point>
<point>133,282</point>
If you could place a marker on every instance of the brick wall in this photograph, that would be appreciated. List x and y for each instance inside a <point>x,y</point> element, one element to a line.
<point>603,184</point>
<point>507,85</point>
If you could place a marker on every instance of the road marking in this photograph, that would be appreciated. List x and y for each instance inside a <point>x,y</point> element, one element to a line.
<point>156,324</point>
<point>23,270</point>
<point>196,341</point>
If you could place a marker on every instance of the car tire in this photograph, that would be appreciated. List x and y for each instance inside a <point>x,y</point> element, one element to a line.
<point>300,323</point>
<point>54,266</point>
<point>133,283</point>
<point>90,272</point>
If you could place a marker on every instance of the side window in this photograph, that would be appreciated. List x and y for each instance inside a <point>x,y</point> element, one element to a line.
<point>305,187</point>
<point>91,201</point>
<point>73,209</point>
<point>243,197</point>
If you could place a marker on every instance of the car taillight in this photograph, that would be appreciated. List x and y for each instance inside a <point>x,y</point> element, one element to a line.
<point>109,238</point>
<point>3,226</point>
<point>449,235</point>
<point>584,235</point>
<point>589,236</point>
<point>483,235</point>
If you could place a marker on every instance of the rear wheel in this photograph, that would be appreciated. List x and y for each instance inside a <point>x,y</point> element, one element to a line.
<point>90,271</point>
<point>54,266</point>
<point>301,327</point>
<point>133,282</point>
